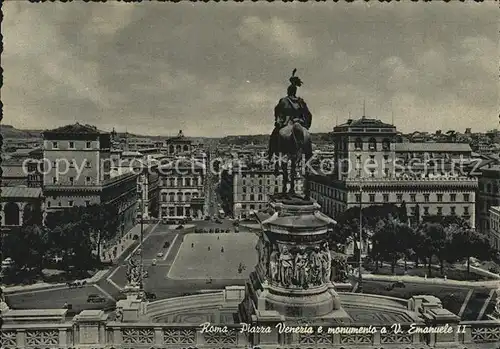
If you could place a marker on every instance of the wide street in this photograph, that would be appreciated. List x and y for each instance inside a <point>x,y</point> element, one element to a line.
<point>195,260</point>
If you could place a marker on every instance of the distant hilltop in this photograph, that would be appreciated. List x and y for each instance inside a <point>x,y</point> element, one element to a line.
<point>9,131</point>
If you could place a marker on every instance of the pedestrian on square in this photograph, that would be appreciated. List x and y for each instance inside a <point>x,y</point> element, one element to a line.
<point>192,244</point>
<point>209,248</point>
<point>222,249</point>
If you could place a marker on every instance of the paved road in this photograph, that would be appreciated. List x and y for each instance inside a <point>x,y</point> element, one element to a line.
<point>56,298</point>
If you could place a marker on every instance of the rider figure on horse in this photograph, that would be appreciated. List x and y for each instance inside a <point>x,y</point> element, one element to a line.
<point>290,108</point>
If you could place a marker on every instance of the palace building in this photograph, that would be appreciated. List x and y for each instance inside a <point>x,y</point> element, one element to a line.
<point>371,168</point>
<point>252,186</point>
<point>181,189</point>
<point>77,172</point>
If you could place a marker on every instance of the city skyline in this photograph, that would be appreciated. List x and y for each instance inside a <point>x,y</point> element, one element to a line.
<point>112,65</point>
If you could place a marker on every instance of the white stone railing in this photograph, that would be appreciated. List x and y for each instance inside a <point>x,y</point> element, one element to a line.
<point>479,334</point>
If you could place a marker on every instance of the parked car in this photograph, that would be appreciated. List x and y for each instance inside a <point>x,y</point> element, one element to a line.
<point>95,298</point>
<point>166,244</point>
<point>218,221</point>
<point>180,226</point>
<point>145,274</point>
<point>397,284</point>
<point>159,254</point>
<point>153,263</point>
<point>206,218</point>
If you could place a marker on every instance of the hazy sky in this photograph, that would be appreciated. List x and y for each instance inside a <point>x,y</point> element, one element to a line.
<point>219,69</point>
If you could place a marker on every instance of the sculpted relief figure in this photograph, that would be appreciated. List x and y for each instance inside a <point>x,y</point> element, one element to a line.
<point>286,267</point>
<point>339,265</point>
<point>326,263</point>
<point>274,270</point>
<point>133,273</point>
<point>301,268</point>
<point>316,264</point>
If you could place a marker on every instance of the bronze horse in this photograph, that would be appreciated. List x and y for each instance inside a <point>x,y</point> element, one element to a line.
<point>293,141</point>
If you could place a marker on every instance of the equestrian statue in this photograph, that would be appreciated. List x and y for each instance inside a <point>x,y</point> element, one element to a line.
<point>290,139</point>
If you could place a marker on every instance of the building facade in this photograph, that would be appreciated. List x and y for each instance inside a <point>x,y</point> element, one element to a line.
<point>178,145</point>
<point>181,190</point>
<point>78,173</point>
<point>494,231</point>
<point>371,168</point>
<point>488,195</point>
<point>252,188</point>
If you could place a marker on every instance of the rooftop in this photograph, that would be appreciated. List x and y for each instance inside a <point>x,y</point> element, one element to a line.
<point>75,128</point>
<point>21,192</point>
<point>13,170</point>
<point>432,147</point>
<point>364,123</point>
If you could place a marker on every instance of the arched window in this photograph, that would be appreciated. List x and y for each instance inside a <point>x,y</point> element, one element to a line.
<point>171,149</point>
<point>372,144</point>
<point>11,211</point>
<point>358,144</point>
<point>188,196</point>
<point>186,148</point>
<point>386,144</point>
<point>179,196</point>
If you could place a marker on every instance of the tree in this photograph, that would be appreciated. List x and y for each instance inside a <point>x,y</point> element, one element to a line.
<point>102,223</point>
<point>403,213</point>
<point>27,247</point>
<point>434,242</point>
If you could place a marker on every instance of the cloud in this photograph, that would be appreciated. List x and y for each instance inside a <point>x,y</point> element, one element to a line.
<point>220,70</point>
<point>276,36</point>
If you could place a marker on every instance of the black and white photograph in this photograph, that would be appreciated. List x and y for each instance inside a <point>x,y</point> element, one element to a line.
<point>250,175</point>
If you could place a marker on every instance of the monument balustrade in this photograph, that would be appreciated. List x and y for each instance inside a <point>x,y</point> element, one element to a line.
<point>97,333</point>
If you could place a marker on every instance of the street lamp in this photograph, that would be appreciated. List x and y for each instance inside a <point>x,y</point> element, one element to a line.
<point>360,281</point>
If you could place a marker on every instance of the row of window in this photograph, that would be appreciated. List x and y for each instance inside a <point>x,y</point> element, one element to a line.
<point>268,189</point>
<point>253,206</point>
<point>70,203</point>
<point>172,149</point>
<point>71,145</point>
<point>71,181</point>
<point>495,224</point>
<point>492,188</point>
<point>372,144</point>
<point>252,197</point>
<point>181,182</point>
<point>439,211</point>
<point>177,212</point>
<point>329,192</point>
<point>413,197</point>
<point>179,197</point>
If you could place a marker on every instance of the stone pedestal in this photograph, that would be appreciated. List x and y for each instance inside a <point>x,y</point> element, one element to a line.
<point>291,281</point>
<point>434,315</point>
<point>131,308</point>
<point>91,327</point>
